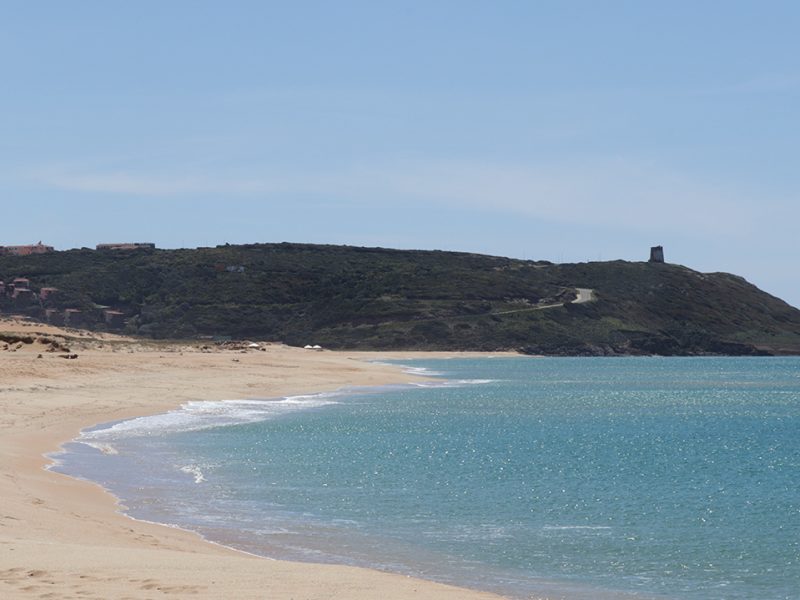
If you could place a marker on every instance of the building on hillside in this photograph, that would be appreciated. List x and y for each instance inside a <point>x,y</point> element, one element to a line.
<point>22,297</point>
<point>656,254</point>
<point>54,316</point>
<point>73,317</point>
<point>26,250</point>
<point>21,283</point>
<point>127,246</point>
<point>47,292</point>
<point>114,319</point>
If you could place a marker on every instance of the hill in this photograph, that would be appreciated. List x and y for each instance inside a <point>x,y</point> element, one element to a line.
<point>375,298</point>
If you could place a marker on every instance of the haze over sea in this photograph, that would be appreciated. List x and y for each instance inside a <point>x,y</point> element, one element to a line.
<point>672,478</point>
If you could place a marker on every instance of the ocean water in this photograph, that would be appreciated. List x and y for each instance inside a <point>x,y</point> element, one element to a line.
<point>582,478</point>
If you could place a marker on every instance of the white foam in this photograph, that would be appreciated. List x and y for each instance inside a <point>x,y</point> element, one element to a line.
<point>422,371</point>
<point>104,448</point>
<point>452,383</point>
<point>427,372</point>
<point>575,527</point>
<point>408,369</point>
<point>195,471</point>
<point>198,415</point>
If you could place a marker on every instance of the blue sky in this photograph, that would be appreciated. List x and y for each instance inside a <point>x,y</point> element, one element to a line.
<point>566,131</point>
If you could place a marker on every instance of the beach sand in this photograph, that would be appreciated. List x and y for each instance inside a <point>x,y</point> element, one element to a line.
<point>65,538</point>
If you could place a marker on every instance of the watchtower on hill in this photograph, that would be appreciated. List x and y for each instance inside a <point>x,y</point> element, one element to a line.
<point>656,254</point>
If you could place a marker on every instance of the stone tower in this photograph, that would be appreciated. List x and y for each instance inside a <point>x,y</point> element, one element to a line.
<point>656,254</point>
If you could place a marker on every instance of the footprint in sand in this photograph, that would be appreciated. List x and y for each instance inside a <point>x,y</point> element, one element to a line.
<point>173,589</point>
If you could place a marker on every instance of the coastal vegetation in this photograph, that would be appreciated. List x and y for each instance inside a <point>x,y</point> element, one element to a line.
<point>376,298</point>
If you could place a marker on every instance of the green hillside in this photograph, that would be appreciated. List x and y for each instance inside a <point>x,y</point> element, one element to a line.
<point>374,298</point>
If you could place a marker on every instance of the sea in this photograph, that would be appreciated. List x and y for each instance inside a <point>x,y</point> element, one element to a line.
<point>576,478</point>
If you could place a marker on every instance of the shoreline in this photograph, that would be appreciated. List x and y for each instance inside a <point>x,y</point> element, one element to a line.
<point>68,538</point>
<point>68,461</point>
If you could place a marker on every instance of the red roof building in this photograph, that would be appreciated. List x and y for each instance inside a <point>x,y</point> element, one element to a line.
<point>26,250</point>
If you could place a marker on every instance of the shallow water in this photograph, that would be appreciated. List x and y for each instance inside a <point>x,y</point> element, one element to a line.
<point>671,478</point>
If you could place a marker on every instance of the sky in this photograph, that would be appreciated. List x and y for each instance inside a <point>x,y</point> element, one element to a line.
<point>566,131</point>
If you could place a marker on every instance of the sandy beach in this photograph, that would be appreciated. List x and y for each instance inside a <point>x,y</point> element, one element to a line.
<point>64,538</point>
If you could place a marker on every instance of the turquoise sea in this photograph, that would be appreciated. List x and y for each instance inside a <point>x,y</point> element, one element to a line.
<point>666,478</point>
